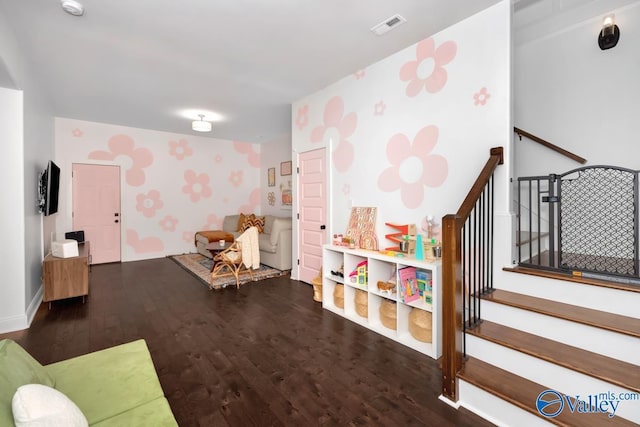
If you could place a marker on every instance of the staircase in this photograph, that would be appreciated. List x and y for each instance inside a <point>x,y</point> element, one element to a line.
<point>579,338</point>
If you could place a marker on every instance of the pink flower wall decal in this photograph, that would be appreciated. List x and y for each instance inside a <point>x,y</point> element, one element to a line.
<point>344,125</point>
<point>123,145</point>
<point>378,108</point>
<point>235,178</point>
<point>188,236</point>
<point>218,158</point>
<point>481,97</point>
<point>359,74</point>
<point>168,223</point>
<point>302,118</point>
<point>213,223</point>
<point>413,167</point>
<point>77,133</point>
<point>427,71</point>
<point>246,148</point>
<point>197,185</point>
<point>146,245</point>
<point>180,149</point>
<point>149,203</point>
<point>254,202</point>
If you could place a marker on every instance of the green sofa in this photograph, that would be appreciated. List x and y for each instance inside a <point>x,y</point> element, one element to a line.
<point>117,386</point>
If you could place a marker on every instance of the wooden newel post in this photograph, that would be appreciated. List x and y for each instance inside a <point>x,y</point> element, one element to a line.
<point>451,305</point>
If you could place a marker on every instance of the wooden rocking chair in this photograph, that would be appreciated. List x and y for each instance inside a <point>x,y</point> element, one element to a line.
<point>229,262</point>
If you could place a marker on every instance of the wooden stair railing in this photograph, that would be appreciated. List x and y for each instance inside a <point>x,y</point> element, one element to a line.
<point>549,145</point>
<point>453,295</point>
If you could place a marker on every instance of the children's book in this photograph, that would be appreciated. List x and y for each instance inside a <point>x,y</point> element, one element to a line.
<point>408,284</point>
<point>424,285</point>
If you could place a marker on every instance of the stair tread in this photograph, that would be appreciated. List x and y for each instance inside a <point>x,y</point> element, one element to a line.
<point>623,374</point>
<point>523,393</point>
<point>575,279</point>
<point>600,319</point>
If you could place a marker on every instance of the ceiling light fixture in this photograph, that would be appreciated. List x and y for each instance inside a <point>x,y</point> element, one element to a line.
<point>72,7</point>
<point>201,125</point>
<point>610,33</point>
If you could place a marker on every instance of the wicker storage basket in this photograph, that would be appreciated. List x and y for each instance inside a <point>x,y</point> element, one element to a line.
<point>420,324</point>
<point>388,315</point>
<point>317,286</point>
<point>362,305</point>
<point>338,296</point>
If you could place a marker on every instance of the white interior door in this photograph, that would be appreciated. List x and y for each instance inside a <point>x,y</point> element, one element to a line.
<point>96,209</point>
<point>312,205</point>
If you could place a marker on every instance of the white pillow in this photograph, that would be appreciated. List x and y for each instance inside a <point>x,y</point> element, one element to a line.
<point>37,405</point>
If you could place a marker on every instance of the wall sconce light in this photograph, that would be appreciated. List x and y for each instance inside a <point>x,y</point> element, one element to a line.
<point>201,125</point>
<point>610,33</point>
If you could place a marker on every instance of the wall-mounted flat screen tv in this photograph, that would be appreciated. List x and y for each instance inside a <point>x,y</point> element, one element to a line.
<point>49,188</point>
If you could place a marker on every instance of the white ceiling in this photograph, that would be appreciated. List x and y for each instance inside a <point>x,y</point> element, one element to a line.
<point>142,63</point>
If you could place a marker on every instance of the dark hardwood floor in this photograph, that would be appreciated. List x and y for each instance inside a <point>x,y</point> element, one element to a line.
<point>263,355</point>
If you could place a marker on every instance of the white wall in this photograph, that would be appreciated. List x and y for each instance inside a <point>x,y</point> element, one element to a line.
<point>158,215</point>
<point>273,154</point>
<point>34,146</point>
<point>577,96</point>
<point>367,118</point>
<point>12,255</point>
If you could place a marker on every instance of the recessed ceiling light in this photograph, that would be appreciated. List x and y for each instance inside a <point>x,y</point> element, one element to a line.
<point>72,7</point>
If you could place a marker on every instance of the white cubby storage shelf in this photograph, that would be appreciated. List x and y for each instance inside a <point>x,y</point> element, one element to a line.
<point>382,267</point>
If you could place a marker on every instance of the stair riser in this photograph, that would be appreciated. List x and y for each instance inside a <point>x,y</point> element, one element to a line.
<point>611,344</point>
<point>623,303</point>
<point>550,375</point>
<point>494,409</point>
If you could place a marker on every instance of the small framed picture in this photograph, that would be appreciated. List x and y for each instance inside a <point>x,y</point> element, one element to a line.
<point>271,176</point>
<point>285,168</point>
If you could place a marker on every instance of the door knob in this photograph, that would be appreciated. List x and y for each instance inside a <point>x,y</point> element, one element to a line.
<point>323,227</point>
<point>116,221</point>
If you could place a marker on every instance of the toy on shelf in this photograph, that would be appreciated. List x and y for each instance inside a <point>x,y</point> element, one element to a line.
<point>388,287</point>
<point>338,272</point>
<point>359,275</point>
<point>404,233</point>
<point>361,228</point>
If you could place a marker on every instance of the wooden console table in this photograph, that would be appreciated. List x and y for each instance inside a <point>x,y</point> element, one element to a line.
<point>66,277</point>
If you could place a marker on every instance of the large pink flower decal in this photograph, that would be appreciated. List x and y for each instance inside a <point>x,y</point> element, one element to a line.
<point>197,185</point>
<point>413,167</point>
<point>427,71</point>
<point>146,245</point>
<point>246,148</point>
<point>168,223</point>
<point>302,118</point>
<point>149,203</point>
<point>180,149</point>
<point>123,145</point>
<point>339,127</point>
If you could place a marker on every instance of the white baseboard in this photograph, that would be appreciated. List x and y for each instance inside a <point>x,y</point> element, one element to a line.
<point>22,321</point>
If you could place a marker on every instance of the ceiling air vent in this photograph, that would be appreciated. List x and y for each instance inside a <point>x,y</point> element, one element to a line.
<point>388,25</point>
